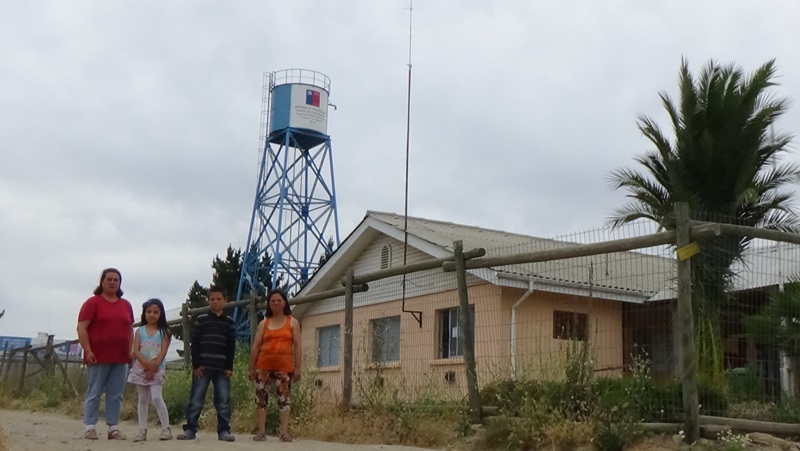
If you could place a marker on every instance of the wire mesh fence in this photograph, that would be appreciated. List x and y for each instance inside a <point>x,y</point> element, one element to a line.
<point>746,307</point>
<point>597,323</point>
<point>580,336</point>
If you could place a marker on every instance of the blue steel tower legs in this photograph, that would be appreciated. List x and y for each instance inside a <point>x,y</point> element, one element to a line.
<point>294,222</point>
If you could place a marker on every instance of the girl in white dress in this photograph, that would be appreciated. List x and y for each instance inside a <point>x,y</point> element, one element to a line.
<point>150,344</point>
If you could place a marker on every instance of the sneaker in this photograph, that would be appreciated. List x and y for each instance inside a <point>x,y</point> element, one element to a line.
<point>226,436</point>
<point>140,436</point>
<point>115,434</point>
<point>166,434</point>
<point>90,434</point>
<point>187,434</point>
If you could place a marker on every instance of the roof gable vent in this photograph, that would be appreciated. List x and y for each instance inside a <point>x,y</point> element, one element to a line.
<point>386,256</point>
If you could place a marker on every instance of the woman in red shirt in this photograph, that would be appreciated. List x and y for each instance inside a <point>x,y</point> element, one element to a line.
<point>275,361</point>
<point>105,331</point>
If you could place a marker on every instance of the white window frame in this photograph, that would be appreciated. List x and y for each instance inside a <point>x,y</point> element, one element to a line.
<point>328,346</point>
<point>385,344</point>
<point>569,325</point>
<point>448,341</point>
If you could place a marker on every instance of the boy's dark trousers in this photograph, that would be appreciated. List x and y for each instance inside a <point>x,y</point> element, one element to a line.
<point>222,399</point>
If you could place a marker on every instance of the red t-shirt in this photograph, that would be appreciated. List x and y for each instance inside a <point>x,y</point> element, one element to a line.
<point>110,329</point>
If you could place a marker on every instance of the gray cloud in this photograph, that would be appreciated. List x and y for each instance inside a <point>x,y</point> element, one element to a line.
<point>129,130</point>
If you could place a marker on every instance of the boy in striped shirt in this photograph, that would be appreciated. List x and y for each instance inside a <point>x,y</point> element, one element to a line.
<point>213,346</point>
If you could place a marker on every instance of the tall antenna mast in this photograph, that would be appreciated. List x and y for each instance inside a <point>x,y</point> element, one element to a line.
<point>416,314</point>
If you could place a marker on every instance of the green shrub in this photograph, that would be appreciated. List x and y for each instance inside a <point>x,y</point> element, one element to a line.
<point>176,394</point>
<point>609,436</point>
<point>746,384</point>
<point>52,390</point>
<point>787,411</point>
<point>713,398</point>
<point>665,402</point>
<point>511,396</point>
<point>243,393</point>
<point>523,432</point>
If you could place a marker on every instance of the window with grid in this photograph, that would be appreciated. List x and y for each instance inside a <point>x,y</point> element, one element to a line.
<point>570,325</point>
<point>449,343</point>
<point>385,339</point>
<point>328,346</point>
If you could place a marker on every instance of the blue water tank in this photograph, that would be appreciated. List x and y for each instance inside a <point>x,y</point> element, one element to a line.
<point>298,103</point>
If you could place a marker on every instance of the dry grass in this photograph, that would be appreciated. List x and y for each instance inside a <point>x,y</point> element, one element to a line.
<point>567,435</point>
<point>362,427</point>
<point>3,440</point>
<point>752,410</point>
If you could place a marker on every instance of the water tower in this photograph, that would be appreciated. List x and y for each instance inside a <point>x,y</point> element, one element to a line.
<point>294,220</point>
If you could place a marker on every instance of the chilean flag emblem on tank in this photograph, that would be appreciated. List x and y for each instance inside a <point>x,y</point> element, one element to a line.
<point>312,97</point>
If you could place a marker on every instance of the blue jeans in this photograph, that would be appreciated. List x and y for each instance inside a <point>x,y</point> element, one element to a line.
<point>222,400</point>
<point>109,378</point>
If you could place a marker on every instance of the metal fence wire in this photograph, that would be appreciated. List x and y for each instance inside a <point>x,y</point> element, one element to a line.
<point>671,326</point>
<point>589,321</point>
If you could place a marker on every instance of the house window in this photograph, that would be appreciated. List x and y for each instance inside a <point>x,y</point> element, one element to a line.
<point>570,325</point>
<point>385,339</point>
<point>450,343</point>
<point>386,256</point>
<point>328,346</point>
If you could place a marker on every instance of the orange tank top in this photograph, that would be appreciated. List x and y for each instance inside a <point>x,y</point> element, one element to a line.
<point>277,351</point>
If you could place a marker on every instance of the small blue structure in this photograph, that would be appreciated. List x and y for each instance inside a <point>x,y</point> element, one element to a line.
<point>294,220</point>
<point>8,344</point>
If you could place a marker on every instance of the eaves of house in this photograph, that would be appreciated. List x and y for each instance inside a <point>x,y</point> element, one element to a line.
<point>761,266</point>
<point>622,276</point>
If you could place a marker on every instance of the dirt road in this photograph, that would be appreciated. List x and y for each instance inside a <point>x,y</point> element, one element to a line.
<point>39,431</point>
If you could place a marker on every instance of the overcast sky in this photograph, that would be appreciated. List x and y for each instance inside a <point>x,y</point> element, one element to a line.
<point>129,129</point>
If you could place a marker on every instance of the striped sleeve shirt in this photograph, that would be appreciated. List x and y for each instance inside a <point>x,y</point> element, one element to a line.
<point>213,342</point>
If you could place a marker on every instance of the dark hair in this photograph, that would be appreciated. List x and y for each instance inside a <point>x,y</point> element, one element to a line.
<point>99,289</point>
<point>218,289</point>
<point>162,319</point>
<point>286,309</point>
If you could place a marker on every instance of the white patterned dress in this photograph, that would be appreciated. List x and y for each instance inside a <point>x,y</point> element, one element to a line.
<point>150,347</point>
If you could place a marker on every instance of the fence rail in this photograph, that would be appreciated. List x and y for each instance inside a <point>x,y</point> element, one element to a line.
<point>513,313</point>
<point>47,363</point>
<point>654,310</point>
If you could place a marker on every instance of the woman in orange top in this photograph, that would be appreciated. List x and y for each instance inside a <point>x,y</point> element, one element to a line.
<point>275,361</point>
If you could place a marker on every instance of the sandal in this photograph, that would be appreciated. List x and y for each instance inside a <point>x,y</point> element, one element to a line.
<point>259,437</point>
<point>286,437</point>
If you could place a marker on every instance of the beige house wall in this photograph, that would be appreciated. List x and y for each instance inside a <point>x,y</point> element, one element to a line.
<point>540,355</point>
<point>420,373</point>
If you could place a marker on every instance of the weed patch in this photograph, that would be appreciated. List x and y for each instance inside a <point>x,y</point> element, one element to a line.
<point>412,427</point>
<point>3,440</point>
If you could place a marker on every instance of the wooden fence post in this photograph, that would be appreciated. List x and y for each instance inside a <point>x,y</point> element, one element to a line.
<point>3,360</point>
<point>688,362</point>
<point>63,366</point>
<point>24,368</point>
<point>49,352</point>
<point>253,317</point>
<point>347,382</point>
<point>187,338</point>
<point>466,334</point>
<point>8,365</point>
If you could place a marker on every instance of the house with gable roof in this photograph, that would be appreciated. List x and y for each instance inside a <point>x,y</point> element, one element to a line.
<point>525,316</point>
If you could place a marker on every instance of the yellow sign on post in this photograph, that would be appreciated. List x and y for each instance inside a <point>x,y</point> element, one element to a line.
<point>687,251</point>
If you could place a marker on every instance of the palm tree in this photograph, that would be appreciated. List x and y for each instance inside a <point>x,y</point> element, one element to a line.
<point>723,161</point>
